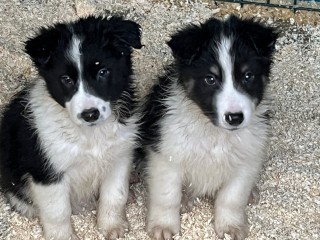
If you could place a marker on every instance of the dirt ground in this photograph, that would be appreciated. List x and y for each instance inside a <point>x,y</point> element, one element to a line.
<point>289,205</point>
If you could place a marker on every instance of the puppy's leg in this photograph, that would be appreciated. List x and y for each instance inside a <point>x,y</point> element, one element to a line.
<point>231,202</point>
<point>165,190</point>
<point>112,220</point>
<point>54,209</point>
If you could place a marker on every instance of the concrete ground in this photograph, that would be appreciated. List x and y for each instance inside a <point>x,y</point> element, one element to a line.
<point>289,205</point>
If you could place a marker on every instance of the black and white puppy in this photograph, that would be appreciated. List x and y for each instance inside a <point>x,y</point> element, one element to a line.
<point>67,140</point>
<point>205,124</point>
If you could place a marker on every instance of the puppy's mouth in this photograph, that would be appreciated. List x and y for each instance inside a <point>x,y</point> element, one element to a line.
<point>232,129</point>
<point>93,124</point>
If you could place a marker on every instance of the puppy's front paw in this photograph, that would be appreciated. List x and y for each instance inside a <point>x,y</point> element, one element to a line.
<point>113,231</point>
<point>116,232</point>
<point>162,225</point>
<point>72,236</point>
<point>161,233</point>
<point>239,232</point>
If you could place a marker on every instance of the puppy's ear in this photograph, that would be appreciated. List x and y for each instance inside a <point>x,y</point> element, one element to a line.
<point>262,38</point>
<point>188,43</point>
<point>41,47</point>
<point>124,33</point>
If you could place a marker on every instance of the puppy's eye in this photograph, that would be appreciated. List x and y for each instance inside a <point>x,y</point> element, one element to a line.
<point>67,81</point>
<point>248,77</point>
<point>102,74</point>
<point>211,80</point>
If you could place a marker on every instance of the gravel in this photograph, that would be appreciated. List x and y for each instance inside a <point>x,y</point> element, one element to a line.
<point>289,205</point>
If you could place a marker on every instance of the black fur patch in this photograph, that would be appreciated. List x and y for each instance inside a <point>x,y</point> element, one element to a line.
<point>21,156</point>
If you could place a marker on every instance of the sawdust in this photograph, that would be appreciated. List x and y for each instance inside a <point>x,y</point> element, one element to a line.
<point>290,193</point>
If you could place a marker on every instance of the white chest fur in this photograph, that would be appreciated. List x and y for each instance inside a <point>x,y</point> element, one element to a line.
<point>84,154</point>
<point>209,155</point>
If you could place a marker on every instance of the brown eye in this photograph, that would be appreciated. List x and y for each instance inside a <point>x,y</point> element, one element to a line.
<point>103,74</point>
<point>211,80</point>
<point>248,77</point>
<point>67,81</point>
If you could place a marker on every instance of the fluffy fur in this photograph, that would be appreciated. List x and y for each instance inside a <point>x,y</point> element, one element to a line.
<point>67,140</point>
<point>205,124</point>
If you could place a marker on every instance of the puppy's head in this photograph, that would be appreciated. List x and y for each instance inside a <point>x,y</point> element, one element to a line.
<point>224,67</point>
<point>86,64</point>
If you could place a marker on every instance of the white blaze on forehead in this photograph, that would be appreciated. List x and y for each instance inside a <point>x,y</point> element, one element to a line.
<point>230,100</point>
<point>226,63</point>
<point>225,59</point>
<point>74,54</point>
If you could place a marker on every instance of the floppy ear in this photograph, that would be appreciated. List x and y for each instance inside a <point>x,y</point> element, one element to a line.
<point>262,38</point>
<point>125,32</point>
<point>41,47</point>
<point>187,43</point>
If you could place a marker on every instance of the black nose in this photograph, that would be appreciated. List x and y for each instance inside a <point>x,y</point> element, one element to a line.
<point>90,115</point>
<point>234,119</point>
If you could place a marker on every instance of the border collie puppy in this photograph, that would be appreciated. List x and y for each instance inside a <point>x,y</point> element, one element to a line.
<point>67,140</point>
<point>205,124</point>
